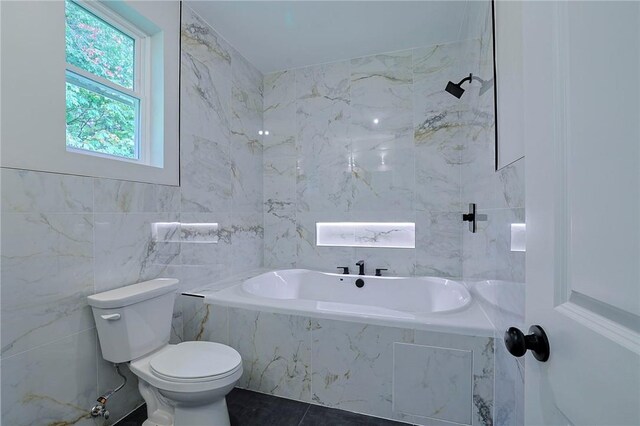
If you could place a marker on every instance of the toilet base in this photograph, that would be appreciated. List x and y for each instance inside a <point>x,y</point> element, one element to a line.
<point>166,408</point>
<point>212,414</point>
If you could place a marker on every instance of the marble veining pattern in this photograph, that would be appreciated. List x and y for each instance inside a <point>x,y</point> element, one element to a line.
<point>354,366</point>
<point>276,352</point>
<point>65,237</point>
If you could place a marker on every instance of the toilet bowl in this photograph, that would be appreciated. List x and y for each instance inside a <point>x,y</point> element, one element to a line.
<point>183,384</point>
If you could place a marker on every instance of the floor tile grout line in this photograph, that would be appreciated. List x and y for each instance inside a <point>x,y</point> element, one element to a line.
<point>305,414</point>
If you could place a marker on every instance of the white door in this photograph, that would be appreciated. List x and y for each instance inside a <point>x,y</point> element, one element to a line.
<point>582,136</point>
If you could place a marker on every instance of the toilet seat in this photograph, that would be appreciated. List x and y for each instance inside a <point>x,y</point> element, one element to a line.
<point>197,382</point>
<point>193,362</point>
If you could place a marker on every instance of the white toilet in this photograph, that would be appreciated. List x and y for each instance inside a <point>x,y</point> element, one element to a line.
<point>183,384</point>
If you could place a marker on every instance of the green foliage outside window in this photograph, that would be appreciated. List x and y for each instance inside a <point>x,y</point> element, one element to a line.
<point>98,118</point>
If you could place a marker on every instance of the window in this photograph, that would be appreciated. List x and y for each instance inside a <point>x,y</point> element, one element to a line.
<point>105,97</point>
<point>92,89</point>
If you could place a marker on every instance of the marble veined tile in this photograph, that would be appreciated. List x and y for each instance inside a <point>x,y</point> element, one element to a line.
<point>25,191</point>
<point>54,384</point>
<point>279,182</point>
<point>487,253</point>
<point>393,68</point>
<point>119,196</point>
<point>125,252</point>
<point>47,272</point>
<point>366,234</point>
<point>381,99</point>
<point>206,181</point>
<point>204,322</point>
<point>246,143</point>
<point>483,369</point>
<point>279,234</point>
<point>280,111</point>
<point>206,80</point>
<point>308,254</point>
<point>439,244</point>
<point>433,382</point>
<point>127,399</point>
<point>327,81</point>
<point>323,143</point>
<point>353,365</point>
<point>276,352</point>
<point>218,254</point>
<point>384,178</point>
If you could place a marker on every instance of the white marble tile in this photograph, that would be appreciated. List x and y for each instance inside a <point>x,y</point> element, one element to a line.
<point>381,99</point>
<point>177,327</point>
<point>353,365</point>
<point>433,382</point>
<point>308,254</point>
<point>487,253</point>
<point>483,369</point>
<point>199,232</point>
<point>280,112</point>
<point>126,399</point>
<point>246,144</point>
<point>397,262</point>
<point>366,234</point>
<point>280,179</point>
<point>196,276</point>
<point>439,244</point>
<point>25,191</point>
<point>276,352</point>
<point>246,236</point>
<point>47,272</point>
<point>205,175</point>
<point>218,254</point>
<point>125,252</point>
<point>119,196</point>
<point>54,384</point>
<point>383,178</point>
<point>323,144</point>
<point>280,234</point>
<point>205,80</point>
<point>204,322</point>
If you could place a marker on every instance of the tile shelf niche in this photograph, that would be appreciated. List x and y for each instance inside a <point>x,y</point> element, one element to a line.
<point>366,234</point>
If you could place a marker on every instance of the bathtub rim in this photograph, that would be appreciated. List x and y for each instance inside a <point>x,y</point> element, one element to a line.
<point>472,321</point>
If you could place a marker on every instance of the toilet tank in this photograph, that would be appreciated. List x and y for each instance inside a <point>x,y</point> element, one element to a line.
<point>134,320</point>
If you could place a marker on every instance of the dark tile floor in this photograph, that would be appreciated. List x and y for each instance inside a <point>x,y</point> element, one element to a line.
<point>248,408</point>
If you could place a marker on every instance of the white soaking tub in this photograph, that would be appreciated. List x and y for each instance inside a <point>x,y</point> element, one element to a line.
<point>418,302</point>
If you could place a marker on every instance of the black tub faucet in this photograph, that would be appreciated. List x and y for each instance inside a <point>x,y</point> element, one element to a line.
<point>360,263</point>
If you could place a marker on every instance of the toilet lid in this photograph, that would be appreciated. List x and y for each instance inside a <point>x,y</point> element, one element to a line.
<point>195,360</point>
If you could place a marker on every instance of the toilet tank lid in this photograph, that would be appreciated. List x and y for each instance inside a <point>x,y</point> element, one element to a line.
<point>130,294</point>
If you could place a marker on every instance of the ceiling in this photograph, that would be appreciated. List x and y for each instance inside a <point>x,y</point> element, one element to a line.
<point>277,35</point>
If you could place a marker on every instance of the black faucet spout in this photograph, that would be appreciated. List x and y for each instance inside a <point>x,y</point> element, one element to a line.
<point>360,264</point>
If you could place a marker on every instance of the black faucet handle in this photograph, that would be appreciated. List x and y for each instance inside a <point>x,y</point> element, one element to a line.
<point>345,269</point>
<point>379,271</point>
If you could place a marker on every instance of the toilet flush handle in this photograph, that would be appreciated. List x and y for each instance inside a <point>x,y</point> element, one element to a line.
<point>110,317</point>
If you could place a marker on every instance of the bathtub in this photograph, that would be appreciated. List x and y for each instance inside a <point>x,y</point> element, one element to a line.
<point>425,303</point>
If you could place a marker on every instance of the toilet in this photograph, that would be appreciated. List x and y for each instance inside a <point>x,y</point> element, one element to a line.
<point>183,384</point>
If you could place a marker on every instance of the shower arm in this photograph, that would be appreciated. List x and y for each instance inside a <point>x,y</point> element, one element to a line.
<point>471,78</point>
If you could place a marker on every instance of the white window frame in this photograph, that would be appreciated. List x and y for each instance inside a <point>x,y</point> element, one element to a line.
<point>141,77</point>
<point>33,74</point>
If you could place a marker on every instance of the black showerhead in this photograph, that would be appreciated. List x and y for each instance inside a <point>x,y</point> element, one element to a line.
<point>455,89</point>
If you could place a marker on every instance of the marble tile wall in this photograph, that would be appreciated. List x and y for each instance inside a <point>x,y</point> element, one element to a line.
<point>500,198</point>
<point>415,376</point>
<point>65,237</point>
<point>368,139</point>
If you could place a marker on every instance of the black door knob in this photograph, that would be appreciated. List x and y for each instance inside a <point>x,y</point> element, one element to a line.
<point>517,343</point>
